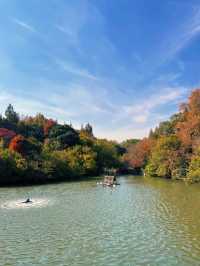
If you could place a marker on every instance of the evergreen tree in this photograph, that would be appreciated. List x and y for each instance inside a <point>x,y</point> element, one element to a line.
<point>11,115</point>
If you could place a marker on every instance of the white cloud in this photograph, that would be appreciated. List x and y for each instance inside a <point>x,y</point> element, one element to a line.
<point>76,70</point>
<point>70,102</point>
<point>65,30</point>
<point>189,30</point>
<point>122,133</point>
<point>29,106</point>
<point>71,34</point>
<point>79,104</point>
<point>141,111</point>
<point>24,25</point>
<point>169,94</point>
<point>142,116</point>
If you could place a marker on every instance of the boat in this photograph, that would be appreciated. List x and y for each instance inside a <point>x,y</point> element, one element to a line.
<point>110,181</point>
<point>110,178</point>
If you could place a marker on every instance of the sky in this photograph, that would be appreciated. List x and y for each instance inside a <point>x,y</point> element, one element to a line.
<point>121,65</point>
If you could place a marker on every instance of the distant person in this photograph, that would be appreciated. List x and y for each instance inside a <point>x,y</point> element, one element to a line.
<point>27,201</point>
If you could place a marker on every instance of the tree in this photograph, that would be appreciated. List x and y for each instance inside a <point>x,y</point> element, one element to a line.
<point>11,115</point>
<point>31,130</point>
<point>194,169</point>
<point>167,159</point>
<point>26,147</point>
<point>17,144</point>
<point>129,142</point>
<point>13,166</point>
<point>138,154</point>
<point>88,129</point>
<point>39,120</point>
<point>86,139</point>
<point>107,154</point>
<point>65,135</point>
<point>188,128</point>
<point>81,160</point>
<point>48,125</point>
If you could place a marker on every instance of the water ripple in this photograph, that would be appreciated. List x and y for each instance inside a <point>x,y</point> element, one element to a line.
<point>141,222</point>
<point>19,204</point>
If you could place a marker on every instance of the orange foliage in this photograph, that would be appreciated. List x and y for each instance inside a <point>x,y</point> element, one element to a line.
<point>138,153</point>
<point>16,144</point>
<point>188,130</point>
<point>48,125</point>
<point>194,102</point>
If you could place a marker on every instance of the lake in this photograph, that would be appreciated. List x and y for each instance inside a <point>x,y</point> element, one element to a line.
<point>141,222</point>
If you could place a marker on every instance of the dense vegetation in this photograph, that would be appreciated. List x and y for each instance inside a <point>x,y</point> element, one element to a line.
<point>38,149</point>
<point>172,150</point>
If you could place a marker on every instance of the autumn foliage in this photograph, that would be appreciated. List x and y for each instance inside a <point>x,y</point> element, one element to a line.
<point>48,125</point>
<point>172,150</point>
<point>138,153</point>
<point>6,133</point>
<point>17,144</point>
<point>188,129</point>
<point>36,149</point>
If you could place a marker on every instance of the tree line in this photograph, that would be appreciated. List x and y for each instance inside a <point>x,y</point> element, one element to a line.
<point>172,150</point>
<point>36,149</point>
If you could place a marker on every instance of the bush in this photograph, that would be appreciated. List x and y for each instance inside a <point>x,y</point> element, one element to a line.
<point>12,166</point>
<point>167,159</point>
<point>194,170</point>
<point>81,160</point>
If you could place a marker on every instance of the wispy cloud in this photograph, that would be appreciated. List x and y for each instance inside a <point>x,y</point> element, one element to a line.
<point>76,70</point>
<point>122,133</point>
<point>74,101</point>
<point>24,25</point>
<point>27,105</point>
<point>189,30</point>
<point>100,81</point>
<point>69,32</point>
<point>79,104</point>
<point>141,112</point>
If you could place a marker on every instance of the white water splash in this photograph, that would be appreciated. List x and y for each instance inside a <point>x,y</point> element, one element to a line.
<point>18,204</point>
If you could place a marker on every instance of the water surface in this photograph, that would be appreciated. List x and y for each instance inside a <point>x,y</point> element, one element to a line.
<point>141,222</point>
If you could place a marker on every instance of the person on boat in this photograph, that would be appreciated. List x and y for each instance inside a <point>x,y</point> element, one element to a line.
<point>27,201</point>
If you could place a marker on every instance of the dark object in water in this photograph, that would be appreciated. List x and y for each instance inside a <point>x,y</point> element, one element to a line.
<point>27,201</point>
<point>110,181</point>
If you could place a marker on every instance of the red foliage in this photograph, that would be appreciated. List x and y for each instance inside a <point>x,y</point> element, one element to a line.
<point>137,154</point>
<point>188,130</point>
<point>16,144</point>
<point>48,125</point>
<point>6,133</point>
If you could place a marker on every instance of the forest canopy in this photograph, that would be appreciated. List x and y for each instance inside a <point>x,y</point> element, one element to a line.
<point>172,149</point>
<point>35,149</point>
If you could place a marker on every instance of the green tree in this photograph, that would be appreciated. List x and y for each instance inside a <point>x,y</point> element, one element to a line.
<point>81,160</point>
<point>167,159</point>
<point>11,115</point>
<point>13,166</point>
<point>193,174</point>
<point>65,135</point>
<point>107,154</point>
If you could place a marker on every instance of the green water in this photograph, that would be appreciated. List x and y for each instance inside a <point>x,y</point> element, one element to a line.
<point>140,222</point>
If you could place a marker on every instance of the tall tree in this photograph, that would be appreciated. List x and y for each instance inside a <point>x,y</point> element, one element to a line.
<point>11,115</point>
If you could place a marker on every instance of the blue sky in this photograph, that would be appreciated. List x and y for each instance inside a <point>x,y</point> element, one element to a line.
<point>122,65</point>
